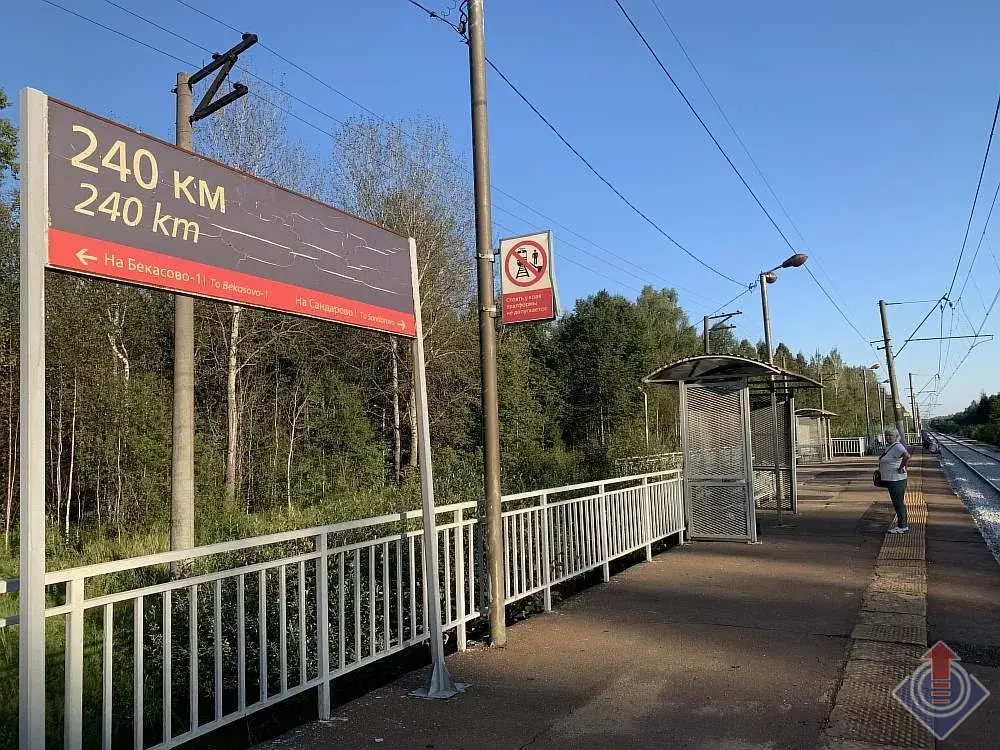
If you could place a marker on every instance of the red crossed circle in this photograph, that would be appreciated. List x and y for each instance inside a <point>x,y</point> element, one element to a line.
<point>533,272</point>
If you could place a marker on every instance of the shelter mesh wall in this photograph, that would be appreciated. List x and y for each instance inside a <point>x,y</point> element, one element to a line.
<point>762,440</point>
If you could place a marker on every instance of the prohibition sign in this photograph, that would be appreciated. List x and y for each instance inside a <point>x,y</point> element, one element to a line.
<point>515,260</point>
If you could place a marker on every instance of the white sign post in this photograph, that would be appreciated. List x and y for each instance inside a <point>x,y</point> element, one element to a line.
<point>527,281</point>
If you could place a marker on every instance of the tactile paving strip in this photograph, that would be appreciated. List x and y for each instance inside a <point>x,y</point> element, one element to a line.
<point>884,601</point>
<point>867,712</point>
<point>902,654</point>
<point>891,633</point>
<point>903,546</point>
<point>892,627</point>
<point>888,642</point>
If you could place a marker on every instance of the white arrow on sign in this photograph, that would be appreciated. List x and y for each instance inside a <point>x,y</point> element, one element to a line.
<point>84,257</point>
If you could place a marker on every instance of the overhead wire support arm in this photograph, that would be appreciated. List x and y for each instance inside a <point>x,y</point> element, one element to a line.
<point>223,63</point>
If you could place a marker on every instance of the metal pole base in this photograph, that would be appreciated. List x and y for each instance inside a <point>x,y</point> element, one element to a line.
<point>441,686</point>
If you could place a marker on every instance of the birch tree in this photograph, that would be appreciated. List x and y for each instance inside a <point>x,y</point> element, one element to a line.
<point>407,178</point>
<point>251,136</point>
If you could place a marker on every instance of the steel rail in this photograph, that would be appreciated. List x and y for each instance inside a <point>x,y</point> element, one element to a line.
<point>942,440</point>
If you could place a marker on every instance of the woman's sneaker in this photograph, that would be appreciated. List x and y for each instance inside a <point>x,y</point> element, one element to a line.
<point>899,530</point>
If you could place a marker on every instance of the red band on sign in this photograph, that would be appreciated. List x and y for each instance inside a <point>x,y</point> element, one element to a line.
<point>86,255</point>
<point>528,307</point>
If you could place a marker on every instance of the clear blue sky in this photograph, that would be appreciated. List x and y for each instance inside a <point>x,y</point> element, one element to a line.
<point>868,119</point>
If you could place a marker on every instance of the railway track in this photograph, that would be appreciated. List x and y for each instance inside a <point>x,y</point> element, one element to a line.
<point>979,459</point>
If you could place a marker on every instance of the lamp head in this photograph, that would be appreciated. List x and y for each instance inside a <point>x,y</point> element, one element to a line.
<point>874,366</point>
<point>799,259</point>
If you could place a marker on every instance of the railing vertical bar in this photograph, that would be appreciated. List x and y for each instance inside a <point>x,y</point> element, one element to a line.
<point>73,699</point>
<point>138,673</point>
<point>505,528</point>
<point>283,628</point>
<point>460,579</point>
<point>471,562</point>
<point>107,676</point>
<point>535,538</point>
<point>357,605</point>
<point>412,547</point>
<point>386,618</point>
<point>564,539</point>
<point>522,550</point>
<point>446,549</point>
<point>341,621</point>
<point>589,539</point>
<point>424,587</point>
<point>603,499</point>
<point>241,641</point>
<point>262,630</point>
<point>546,560</point>
<point>303,672</point>
<point>168,658</point>
<point>372,606</point>
<point>571,564</point>
<point>323,625</point>
<point>647,507</point>
<point>217,638</point>
<point>399,590</point>
<point>193,656</point>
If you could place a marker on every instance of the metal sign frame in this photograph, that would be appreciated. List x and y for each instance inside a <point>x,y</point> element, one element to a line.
<point>745,481</point>
<point>34,193</point>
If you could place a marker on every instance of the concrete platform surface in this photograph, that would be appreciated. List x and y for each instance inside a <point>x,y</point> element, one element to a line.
<point>710,646</point>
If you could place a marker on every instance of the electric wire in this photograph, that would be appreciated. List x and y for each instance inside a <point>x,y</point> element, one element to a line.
<point>283,92</point>
<point>618,258</point>
<point>576,152</point>
<point>733,166</point>
<point>968,226</point>
<point>920,325</point>
<point>604,179</point>
<point>743,146</point>
<point>975,198</point>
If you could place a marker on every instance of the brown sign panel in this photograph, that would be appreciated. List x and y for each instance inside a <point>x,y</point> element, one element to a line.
<point>125,206</point>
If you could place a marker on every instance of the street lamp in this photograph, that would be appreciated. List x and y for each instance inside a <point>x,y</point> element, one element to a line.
<point>645,414</point>
<point>769,277</point>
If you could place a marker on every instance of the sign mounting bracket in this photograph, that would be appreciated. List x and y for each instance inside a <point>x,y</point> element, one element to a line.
<point>224,64</point>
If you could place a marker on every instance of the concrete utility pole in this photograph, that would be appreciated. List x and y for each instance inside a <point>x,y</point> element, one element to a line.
<point>890,361</point>
<point>182,467</point>
<point>868,414</point>
<point>706,342</point>
<point>913,406</point>
<point>487,330</point>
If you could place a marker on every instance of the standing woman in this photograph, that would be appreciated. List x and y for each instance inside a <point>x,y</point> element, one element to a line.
<point>892,469</point>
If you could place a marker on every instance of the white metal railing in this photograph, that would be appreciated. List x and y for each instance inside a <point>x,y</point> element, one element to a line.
<point>848,446</point>
<point>279,615</point>
<point>255,621</point>
<point>556,534</point>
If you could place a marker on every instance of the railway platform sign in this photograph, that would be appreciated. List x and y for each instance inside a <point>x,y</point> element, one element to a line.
<point>527,280</point>
<point>102,200</point>
<point>128,207</point>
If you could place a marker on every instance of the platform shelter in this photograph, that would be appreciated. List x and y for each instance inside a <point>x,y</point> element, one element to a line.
<point>735,461</point>
<point>814,439</point>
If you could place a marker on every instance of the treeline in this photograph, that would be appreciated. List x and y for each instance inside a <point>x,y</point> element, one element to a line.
<point>300,421</point>
<point>980,420</point>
